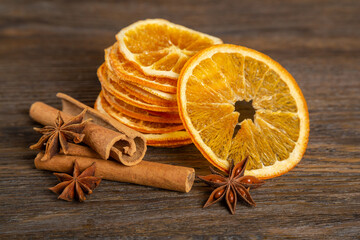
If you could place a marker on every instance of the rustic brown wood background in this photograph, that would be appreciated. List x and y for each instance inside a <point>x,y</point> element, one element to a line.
<point>55,46</point>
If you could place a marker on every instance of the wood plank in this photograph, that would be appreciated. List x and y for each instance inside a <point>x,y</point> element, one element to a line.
<point>56,46</point>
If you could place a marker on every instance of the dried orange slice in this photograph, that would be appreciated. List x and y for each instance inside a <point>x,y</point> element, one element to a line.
<point>139,113</point>
<point>126,70</point>
<point>171,97</point>
<point>121,93</point>
<point>144,95</point>
<point>237,102</point>
<point>170,140</point>
<point>170,144</point>
<point>171,115</point>
<point>142,126</point>
<point>161,48</point>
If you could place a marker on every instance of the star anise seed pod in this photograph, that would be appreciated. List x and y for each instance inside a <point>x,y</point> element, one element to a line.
<point>60,134</point>
<point>78,185</point>
<point>232,186</point>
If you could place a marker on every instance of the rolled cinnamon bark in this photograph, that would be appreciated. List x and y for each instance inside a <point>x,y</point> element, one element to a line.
<point>79,150</point>
<point>74,107</point>
<point>102,140</point>
<point>145,173</point>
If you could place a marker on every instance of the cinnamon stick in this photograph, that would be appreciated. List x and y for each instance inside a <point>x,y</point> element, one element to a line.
<point>79,150</point>
<point>102,140</point>
<point>145,173</point>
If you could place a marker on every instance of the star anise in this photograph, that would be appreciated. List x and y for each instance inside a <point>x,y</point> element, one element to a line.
<point>76,186</point>
<point>60,134</point>
<point>235,184</point>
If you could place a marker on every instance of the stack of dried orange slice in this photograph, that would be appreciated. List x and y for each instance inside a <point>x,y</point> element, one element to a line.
<point>139,78</point>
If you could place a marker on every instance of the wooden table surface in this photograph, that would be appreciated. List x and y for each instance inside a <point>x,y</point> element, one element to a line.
<point>56,46</point>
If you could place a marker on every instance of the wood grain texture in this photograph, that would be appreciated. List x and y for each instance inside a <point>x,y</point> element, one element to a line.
<point>56,46</point>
